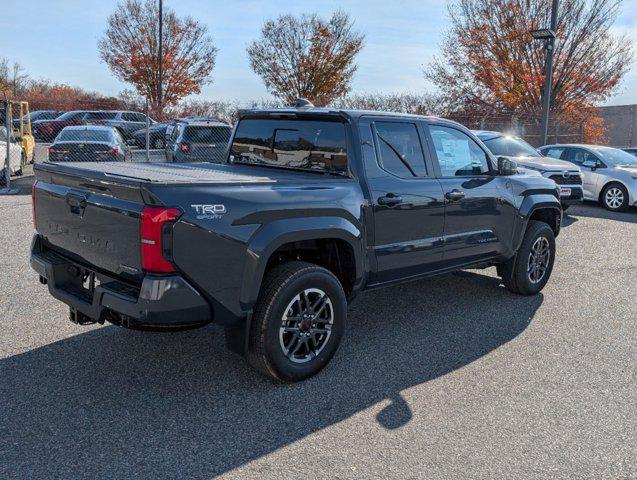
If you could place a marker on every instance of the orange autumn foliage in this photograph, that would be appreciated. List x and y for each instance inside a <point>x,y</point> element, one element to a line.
<point>491,63</point>
<point>130,49</point>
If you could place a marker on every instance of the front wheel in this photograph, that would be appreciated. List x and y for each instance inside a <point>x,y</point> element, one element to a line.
<point>615,198</point>
<point>529,270</point>
<point>298,321</point>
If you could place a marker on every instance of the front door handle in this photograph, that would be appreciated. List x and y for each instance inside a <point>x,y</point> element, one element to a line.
<point>454,194</point>
<point>390,200</point>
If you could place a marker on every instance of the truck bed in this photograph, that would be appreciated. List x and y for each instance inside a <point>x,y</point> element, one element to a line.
<point>126,172</point>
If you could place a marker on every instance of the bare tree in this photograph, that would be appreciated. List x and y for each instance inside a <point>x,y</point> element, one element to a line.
<point>130,48</point>
<point>13,78</point>
<point>306,57</point>
<point>417,104</point>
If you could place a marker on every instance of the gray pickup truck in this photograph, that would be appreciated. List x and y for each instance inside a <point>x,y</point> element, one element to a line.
<point>311,207</point>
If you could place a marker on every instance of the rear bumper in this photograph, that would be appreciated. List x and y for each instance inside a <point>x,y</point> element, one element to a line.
<point>160,302</point>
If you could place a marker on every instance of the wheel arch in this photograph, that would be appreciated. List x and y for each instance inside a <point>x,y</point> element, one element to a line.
<point>614,181</point>
<point>299,235</point>
<point>542,207</point>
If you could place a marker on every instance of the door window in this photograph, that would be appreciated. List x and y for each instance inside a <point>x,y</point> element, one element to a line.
<point>400,149</point>
<point>579,156</point>
<point>458,154</point>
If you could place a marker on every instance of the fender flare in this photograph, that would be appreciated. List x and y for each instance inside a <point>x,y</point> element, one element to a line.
<point>529,205</point>
<point>279,232</point>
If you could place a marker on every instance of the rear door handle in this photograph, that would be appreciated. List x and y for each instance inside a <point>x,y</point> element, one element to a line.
<point>390,200</point>
<point>454,194</point>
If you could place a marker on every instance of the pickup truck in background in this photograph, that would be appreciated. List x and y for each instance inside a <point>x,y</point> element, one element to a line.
<point>311,207</point>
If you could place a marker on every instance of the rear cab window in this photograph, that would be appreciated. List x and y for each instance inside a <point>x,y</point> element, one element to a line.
<point>313,145</point>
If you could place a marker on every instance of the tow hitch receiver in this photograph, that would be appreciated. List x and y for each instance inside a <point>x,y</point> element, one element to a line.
<point>79,318</point>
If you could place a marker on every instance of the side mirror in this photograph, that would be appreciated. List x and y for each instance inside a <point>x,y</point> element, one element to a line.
<point>506,166</point>
<point>592,164</point>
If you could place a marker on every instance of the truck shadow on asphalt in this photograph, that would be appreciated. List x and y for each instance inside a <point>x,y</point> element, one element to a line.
<point>115,403</point>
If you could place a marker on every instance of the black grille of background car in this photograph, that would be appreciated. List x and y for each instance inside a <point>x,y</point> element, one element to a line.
<point>570,180</point>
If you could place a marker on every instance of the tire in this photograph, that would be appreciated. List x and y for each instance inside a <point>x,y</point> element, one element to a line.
<point>158,144</point>
<point>282,295</point>
<point>23,162</point>
<point>517,275</point>
<point>615,197</point>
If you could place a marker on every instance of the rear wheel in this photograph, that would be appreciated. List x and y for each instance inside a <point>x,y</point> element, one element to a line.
<point>529,270</point>
<point>298,321</point>
<point>615,197</point>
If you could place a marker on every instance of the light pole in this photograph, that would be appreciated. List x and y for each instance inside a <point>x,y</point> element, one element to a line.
<point>548,35</point>
<point>160,55</point>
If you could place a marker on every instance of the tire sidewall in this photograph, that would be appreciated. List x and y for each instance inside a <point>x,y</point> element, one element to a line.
<point>524,284</point>
<point>624,204</point>
<point>285,368</point>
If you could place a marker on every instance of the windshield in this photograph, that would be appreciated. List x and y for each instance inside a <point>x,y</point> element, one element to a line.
<point>85,136</point>
<point>510,146</point>
<point>298,144</point>
<point>615,156</point>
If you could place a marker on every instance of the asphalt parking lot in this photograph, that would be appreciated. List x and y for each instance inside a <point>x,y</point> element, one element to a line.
<point>451,377</point>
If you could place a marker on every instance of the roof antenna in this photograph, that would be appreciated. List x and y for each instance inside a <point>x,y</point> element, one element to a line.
<point>302,103</point>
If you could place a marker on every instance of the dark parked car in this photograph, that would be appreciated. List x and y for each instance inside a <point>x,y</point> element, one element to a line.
<point>39,115</point>
<point>88,144</point>
<point>125,122</point>
<point>565,174</point>
<point>198,141</point>
<point>47,130</point>
<point>314,206</point>
<point>156,136</point>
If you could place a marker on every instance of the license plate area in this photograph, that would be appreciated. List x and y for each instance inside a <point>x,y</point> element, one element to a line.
<point>82,285</point>
<point>565,192</point>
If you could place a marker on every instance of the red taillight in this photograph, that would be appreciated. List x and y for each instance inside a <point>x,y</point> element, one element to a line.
<point>115,150</point>
<point>155,226</point>
<point>33,202</point>
<point>184,147</point>
<point>48,150</point>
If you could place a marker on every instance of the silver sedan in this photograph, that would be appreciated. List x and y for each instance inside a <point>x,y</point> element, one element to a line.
<point>609,175</point>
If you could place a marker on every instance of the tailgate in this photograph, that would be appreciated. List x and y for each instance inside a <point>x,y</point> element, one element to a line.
<point>93,221</point>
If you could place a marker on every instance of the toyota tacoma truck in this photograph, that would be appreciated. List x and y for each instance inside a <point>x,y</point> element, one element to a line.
<point>311,207</point>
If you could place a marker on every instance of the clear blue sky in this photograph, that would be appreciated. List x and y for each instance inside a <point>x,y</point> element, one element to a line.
<point>58,40</point>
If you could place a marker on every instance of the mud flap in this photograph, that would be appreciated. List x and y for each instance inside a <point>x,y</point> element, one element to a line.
<point>238,334</point>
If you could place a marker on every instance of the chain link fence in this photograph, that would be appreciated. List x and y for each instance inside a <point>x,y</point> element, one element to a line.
<point>89,131</point>
<point>92,131</point>
<point>526,126</point>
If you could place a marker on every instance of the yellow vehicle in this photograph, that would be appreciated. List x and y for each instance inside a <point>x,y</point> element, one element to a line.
<point>23,131</point>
